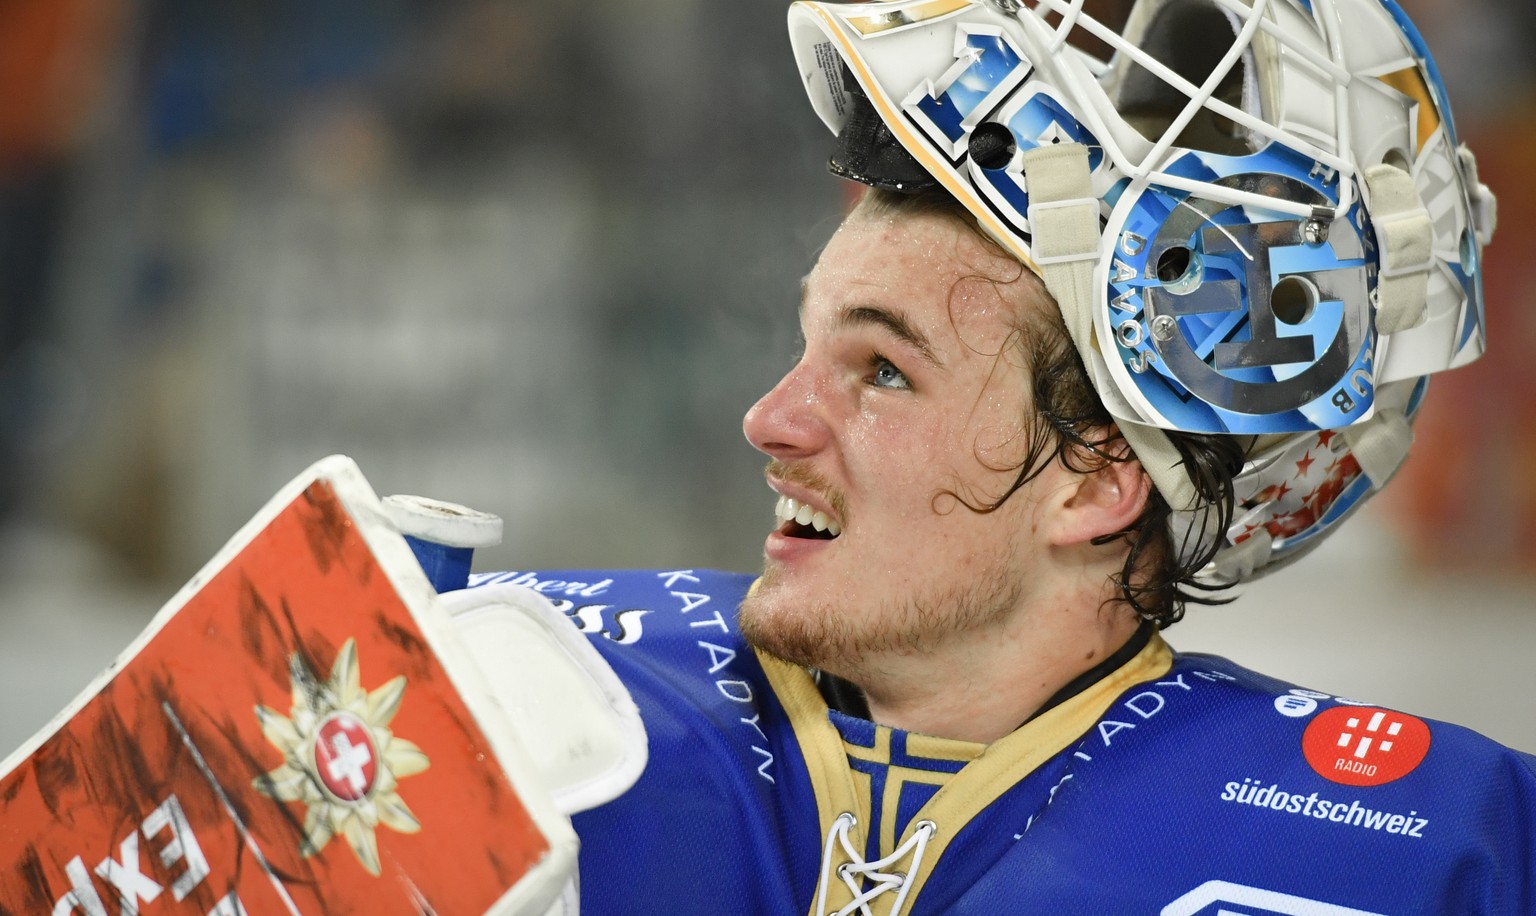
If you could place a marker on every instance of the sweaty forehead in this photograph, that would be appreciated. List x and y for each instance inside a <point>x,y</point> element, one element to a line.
<point>923,263</point>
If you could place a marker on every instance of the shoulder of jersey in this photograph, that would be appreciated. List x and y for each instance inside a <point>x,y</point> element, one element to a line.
<point>1221,710</point>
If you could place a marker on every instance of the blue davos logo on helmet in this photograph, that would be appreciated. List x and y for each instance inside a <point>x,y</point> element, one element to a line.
<point>1033,119</point>
<point>1236,319</point>
<point>987,65</point>
<point>988,92</point>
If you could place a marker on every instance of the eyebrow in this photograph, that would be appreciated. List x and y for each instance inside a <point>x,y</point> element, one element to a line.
<point>894,322</point>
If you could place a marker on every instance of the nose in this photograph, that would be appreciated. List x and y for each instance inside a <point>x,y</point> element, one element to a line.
<point>788,421</point>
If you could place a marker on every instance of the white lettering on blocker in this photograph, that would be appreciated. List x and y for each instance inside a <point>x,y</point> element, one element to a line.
<point>122,874</point>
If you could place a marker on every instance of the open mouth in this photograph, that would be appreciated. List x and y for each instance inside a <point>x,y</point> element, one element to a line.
<point>801,521</point>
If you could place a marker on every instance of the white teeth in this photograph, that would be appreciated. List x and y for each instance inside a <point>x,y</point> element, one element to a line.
<point>798,512</point>
<point>820,522</point>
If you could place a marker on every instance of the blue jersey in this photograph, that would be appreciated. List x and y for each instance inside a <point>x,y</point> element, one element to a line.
<point>1176,784</point>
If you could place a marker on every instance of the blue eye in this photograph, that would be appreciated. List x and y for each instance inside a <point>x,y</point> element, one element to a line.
<point>886,374</point>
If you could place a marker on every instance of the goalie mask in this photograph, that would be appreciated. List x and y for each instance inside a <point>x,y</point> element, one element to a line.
<point>1254,216</point>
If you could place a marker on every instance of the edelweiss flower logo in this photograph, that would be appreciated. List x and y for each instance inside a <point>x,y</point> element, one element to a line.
<point>340,758</point>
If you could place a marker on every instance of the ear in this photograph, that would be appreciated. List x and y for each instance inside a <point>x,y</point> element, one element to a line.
<point>1101,501</point>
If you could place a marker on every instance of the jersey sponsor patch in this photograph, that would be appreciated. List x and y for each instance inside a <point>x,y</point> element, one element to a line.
<point>1352,814</point>
<point>1364,745</point>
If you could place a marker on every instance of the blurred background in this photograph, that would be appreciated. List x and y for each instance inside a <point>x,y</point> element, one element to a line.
<point>539,259</point>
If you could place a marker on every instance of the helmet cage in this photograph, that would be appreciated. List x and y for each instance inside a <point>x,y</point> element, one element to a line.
<point>1263,215</point>
<point>1288,232</point>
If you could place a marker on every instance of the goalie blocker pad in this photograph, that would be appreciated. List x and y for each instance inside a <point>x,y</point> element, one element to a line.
<point>302,729</point>
<point>581,730</point>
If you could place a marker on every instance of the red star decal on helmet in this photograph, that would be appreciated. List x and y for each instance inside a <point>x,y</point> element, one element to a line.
<point>1281,490</point>
<point>1325,437</point>
<point>1304,464</point>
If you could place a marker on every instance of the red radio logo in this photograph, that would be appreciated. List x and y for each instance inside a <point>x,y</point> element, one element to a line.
<point>1364,746</point>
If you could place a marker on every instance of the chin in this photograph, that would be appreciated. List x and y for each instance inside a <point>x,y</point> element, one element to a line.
<point>777,620</point>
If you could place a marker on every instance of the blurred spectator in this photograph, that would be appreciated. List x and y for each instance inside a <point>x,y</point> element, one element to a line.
<point>1468,494</point>
<point>52,56</point>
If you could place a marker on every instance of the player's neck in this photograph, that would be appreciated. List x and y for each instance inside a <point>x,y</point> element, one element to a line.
<point>982,684</point>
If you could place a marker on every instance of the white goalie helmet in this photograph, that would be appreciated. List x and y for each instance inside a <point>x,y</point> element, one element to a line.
<point>1254,215</point>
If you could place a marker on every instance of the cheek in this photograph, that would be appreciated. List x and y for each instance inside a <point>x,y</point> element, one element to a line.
<point>902,456</point>
<point>911,476</point>
<point>1000,447</point>
<point>998,430</point>
<point>890,478</point>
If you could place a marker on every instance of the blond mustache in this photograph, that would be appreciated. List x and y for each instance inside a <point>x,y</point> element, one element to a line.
<point>807,477</point>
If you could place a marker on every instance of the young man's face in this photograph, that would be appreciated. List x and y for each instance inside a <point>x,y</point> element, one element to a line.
<point>912,389</point>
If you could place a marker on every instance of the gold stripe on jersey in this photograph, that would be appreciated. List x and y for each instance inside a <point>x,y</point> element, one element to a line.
<point>898,777</point>
<point>967,793</point>
<point>943,748</point>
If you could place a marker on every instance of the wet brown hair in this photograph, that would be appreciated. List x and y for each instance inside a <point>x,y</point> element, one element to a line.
<point>1070,424</point>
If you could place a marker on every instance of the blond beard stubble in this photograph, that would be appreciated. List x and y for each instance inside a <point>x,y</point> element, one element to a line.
<point>825,638</point>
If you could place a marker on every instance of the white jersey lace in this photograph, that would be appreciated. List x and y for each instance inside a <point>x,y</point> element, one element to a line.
<point>869,880</point>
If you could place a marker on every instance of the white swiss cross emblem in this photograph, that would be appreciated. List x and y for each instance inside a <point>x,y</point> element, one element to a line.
<point>340,757</point>
<point>345,757</point>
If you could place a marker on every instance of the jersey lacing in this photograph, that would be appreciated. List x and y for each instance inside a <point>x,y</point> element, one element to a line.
<point>856,871</point>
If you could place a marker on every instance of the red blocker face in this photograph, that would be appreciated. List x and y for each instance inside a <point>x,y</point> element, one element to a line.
<point>288,742</point>
<point>911,396</point>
